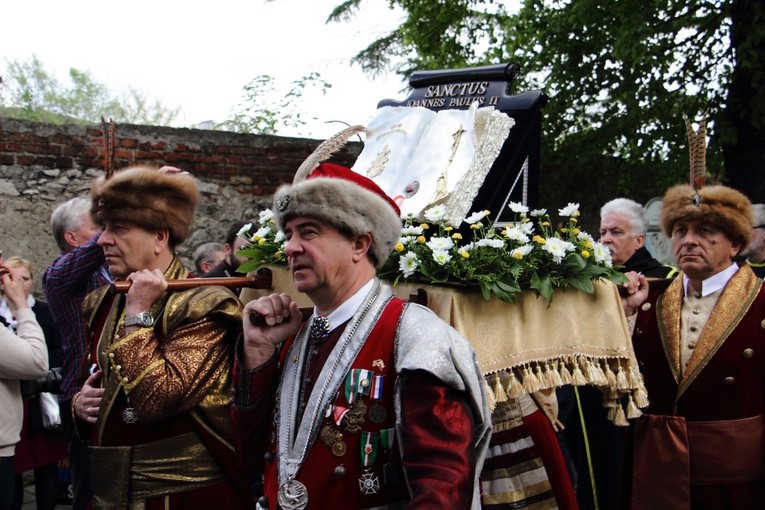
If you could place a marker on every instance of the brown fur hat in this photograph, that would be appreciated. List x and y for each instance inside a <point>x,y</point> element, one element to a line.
<point>346,200</point>
<point>719,205</point>
<point>146,197</point>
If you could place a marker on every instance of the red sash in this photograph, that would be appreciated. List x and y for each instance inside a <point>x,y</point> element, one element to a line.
<point>671,454</point>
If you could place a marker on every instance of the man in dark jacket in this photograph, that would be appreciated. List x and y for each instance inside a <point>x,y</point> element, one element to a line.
<point>230,263</point>
<point>622,230</point>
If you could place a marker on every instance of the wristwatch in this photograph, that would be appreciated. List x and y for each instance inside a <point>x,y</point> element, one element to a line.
<point>142,319</point>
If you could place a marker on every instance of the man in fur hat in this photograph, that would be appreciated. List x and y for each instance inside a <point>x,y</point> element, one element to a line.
<point>374,402</point>
<point>157,401</point>
<point>701,348</point>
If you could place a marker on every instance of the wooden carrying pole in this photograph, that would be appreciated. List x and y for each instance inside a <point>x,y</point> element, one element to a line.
<point>261,281</point>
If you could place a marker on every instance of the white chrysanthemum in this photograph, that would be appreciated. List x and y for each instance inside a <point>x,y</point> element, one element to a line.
<point>602,254</point>
<point>279,237</point>
<point>411,230</point>
<point>265,216</point>
<point>435,213</point>
<point>521,251</point>
<point>476,217</point>
<point>536,213</point>
<point>570,210</point>
<point>465,248</point>
<point>518,208</point>
<point>440,243</point>
<point>526,227</point>
<point>584,236</point>
<point>262,233</point>
<point>405,240</point>
<point>491,243</point>
<point>517,235</point>
<point>408,264</point>
<point>441,257</point>
<point>244,230</point>
<point>557,248</point>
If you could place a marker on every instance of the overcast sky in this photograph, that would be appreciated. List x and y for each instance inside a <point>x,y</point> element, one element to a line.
<point>199,55</point>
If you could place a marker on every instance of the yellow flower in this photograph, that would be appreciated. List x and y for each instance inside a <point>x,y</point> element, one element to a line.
<point>448,229</point>
<point>588,245</point>
<point>465,254</point>
<point>399,247</point>
<point>504,233</point>
<point>585,254</point>
<point>518,255</point>
<point>545,224</point>
<point>421,239</point>
<point>278,255</point>
<point>424,226</point>
<point>261,241</point>
<point>538,239</point>
<point>575,231</point>
<point>456,235</point>
<point>475,226</point>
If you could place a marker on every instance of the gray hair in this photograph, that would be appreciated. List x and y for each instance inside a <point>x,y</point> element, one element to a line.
<point>629,209</point>
<point>205,252</point>
<point>759,214</point>
<point>67,217</point>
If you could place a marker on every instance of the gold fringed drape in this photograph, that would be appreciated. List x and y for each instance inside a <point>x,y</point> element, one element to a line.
<point>531,345</point>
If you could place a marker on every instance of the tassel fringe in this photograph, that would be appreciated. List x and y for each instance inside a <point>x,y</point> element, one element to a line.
<point>617,377</point>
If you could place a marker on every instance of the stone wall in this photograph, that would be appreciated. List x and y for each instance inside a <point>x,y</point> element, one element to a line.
<point>43,165</point>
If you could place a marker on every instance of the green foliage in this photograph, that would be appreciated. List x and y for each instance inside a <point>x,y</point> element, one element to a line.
<point>620,76</point>
<point>527,254</point>
<point>31,92</point>
<point>263,110</point>
<point>502,262</point>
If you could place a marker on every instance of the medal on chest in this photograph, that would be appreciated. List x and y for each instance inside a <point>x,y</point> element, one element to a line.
<point>128,415</point>
<point>369,483</point>
<point>292,495</point>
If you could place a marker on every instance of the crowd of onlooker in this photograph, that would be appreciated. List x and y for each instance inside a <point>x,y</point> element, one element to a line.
<point>89,375</point>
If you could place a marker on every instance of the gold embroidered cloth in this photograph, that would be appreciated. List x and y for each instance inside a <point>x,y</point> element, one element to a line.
<point>507,335</point>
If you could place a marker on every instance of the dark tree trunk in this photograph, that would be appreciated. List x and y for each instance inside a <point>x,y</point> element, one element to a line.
<point>744,116</point>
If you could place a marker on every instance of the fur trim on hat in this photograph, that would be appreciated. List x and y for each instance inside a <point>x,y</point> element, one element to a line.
<point>148,198</point>
<point>345,205</point>
<point>721,206</point>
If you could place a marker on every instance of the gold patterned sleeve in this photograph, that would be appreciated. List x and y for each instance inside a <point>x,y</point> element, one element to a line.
<point>167,374</point>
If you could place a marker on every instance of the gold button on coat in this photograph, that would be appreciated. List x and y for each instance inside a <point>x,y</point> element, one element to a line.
<point>729,380</point>
<point>748,353</point>
<point>646,307</point>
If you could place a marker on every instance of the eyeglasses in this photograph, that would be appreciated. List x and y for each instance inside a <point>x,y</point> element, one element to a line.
<point>759,226</point>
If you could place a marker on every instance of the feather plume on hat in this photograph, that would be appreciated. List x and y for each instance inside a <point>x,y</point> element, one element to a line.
<point>724,207</point>
<point>341,197</point>
<point>325,150</point>
<point>697,151</point>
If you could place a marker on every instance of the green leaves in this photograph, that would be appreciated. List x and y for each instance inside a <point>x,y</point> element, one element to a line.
<point>31,92</point>
<point>265,111</point>
<point>502,261</point>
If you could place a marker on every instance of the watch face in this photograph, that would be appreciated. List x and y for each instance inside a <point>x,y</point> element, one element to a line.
<point>145,319</point>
